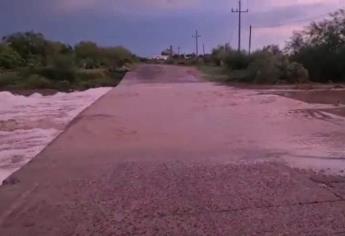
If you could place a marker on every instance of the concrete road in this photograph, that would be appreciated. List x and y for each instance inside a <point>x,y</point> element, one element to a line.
<point>168,154</point>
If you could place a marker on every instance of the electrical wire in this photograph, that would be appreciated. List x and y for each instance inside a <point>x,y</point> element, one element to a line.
<point>292,22</point>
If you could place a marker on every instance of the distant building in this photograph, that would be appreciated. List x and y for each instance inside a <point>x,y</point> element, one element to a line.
<point>161,57</point>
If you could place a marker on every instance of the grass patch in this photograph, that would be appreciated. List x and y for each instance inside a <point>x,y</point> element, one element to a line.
<point>214,73</point>
<point>223,75</point>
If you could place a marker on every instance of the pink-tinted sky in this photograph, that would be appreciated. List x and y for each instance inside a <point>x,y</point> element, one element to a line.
<point>148,26</point>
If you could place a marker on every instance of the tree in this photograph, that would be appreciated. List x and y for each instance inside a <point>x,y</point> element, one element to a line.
<point>220,53</point>
<point>54,49</point>
<point>85,50</point>
<point>321,48</point>
<point>116,56</point>
<point>273,49</point>
<point>295,44</point>
<point>88,55</point>
<point>27,45</point>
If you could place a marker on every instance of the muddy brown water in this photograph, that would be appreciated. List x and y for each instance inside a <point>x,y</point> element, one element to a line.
<point>334,97</point>
<point>166,154</point>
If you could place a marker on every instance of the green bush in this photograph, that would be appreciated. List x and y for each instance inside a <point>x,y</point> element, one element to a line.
<point>87,52</point>
<point>90,56</point>
<point>61,69</point>
<point>219,54</point>
<point>9,58</point>
<point>9,79</point>
<point>63,85</point>
<point>56,74</point>
<point>37,82</point>
<point>14,80</point>
<point>40,63</point>
<point>98,78</point>
<point>237,60</point>
<point>89,63</point>
<point>268,68</point>
<point>116,56</point>
<point>297,73</point>
<point>264,69</point>
<point>94,83</point>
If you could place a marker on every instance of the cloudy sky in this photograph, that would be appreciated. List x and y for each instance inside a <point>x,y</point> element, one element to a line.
<point>148,26</point>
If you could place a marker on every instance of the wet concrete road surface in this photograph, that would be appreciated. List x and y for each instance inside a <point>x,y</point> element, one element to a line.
<point>168,154</point>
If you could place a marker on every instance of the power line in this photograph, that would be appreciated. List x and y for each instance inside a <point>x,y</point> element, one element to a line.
<point>292,22</point>
<point>239,11</point>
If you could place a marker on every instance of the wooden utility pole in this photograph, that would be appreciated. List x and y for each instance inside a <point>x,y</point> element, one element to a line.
<point>171,50</point>
<point>196,36</point>
<point>203,49</point>
<point>250,40</point>
<point>239,11</point>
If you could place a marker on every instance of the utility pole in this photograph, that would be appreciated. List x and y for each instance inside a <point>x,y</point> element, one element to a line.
<point>196,36</point>
<point>171,50</point>
<point>203,48</point>
<point>250,40</point>
<point>239,11</point>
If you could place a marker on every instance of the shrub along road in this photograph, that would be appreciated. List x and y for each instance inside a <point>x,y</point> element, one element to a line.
<point>167,154</point>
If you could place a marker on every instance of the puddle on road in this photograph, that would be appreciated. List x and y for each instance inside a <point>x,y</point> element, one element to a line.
<point>325,165</point>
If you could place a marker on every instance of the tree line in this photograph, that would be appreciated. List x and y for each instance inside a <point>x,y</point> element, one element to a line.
<point>315,54</point>
<point>29,60</point>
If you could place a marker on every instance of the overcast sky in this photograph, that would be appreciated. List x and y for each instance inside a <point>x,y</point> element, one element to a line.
<point>149,26</point>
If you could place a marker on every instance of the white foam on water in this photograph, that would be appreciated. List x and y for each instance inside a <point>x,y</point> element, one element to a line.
<point>29,124</point>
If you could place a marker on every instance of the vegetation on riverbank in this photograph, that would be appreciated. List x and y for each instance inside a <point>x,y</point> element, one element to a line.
<point>266,66</point>
<point>30,61</point>
<point>316,54</point>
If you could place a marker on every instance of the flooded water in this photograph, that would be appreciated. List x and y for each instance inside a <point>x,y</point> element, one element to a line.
<point>28,124</point>
<point>229,124</point>
<point>243,124</point>
<point>300,134</point>
<point>253,126</point>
